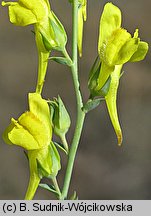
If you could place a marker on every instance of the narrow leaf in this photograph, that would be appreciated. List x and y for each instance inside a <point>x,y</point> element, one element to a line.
<point>91,104</point>
<point>61,60</point>
<point>60,146</point>
<point>48,187</point>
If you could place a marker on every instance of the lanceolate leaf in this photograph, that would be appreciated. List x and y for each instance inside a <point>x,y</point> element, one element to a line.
<point>60,146</point>
<point>92,104</point>
<point>61,60</point>
<point>48,187</point>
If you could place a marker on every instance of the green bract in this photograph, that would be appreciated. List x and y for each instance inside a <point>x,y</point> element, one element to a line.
<point>60,120</point>
<point>116,46</point>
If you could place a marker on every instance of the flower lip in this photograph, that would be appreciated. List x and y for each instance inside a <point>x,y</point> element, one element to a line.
<point>33,129</point>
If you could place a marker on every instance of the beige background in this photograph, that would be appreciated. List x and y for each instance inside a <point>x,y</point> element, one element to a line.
<point>102,169</point>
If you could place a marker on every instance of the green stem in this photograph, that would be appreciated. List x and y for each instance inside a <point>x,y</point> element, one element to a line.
<point>64,142</point>
<point>42,68</point>
<point>80,113</point>
<point>65,53</point>
<point>55,183</point>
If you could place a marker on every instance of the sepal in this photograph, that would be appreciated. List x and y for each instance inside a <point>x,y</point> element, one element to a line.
<point>60,37</point>
<point>99,78</point>
<point>56,165</point>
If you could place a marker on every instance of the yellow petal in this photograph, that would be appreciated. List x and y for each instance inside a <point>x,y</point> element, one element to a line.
<point>82,16</point>
<point>111,102</point>
<point>20,15</point>
<point>25,12</point>
<point>42,156</point>
<point>33,129</point>
<point>110,21</point>
<point>84,10</point>
<point>40,109</point>
<point>115,42</point>
<point>18,135</point>
<point>40,8</point>
<point>80,30</point>
<point>36,128</point>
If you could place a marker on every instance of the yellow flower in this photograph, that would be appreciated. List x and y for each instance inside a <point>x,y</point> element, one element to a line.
<point>26,12</point>
<point>50,33</point>
<point>33,132</point>
<point>43,162</point>
<point>116,47</point>
<point>33,128</point>
<point>82,16</point>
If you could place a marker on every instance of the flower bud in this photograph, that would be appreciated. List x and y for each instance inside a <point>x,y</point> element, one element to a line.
<point>60,119</point>
<point>60,37</point>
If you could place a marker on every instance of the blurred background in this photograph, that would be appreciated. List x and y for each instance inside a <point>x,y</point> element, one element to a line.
<point>102,170</point>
